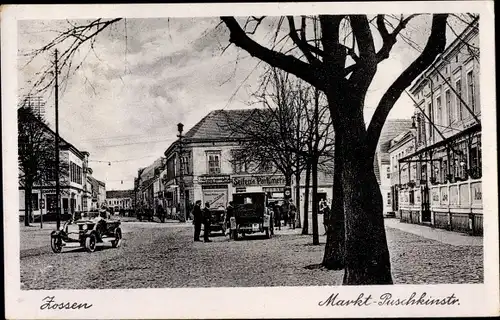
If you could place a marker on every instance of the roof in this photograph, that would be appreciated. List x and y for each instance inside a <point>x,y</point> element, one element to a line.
<point>392,128</point>
<point>220,124</point>
<point>119,194</point>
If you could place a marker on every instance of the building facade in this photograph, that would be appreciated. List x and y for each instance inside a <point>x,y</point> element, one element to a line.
<point>120,200</point>
<point>210,172</point>
<point>442,186</point>
<point>75,185</point>
<point>382,164</point>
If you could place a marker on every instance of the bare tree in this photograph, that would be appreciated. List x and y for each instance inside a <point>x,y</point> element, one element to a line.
<point>36,156</point>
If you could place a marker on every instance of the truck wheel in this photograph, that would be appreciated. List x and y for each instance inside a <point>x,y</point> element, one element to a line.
<point>90,243</point>
<point>56,244</point>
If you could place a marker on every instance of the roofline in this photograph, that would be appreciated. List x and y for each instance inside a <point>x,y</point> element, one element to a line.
<point>409,134</point>
<point>470,30</point>
<point>174,144</point>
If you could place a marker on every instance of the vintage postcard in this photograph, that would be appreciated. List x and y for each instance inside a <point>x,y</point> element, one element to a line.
<point>270,160</point>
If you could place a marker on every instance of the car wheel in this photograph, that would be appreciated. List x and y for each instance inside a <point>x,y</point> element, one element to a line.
<point>90,243</point>
<point>56,244</point>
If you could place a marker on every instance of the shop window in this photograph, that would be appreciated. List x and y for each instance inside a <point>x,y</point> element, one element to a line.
<point>475,162</point>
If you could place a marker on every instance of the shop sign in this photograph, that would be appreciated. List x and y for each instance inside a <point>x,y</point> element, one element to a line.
<point>435,196</point>
<point>218,179</point>
<point>464,195</point>
<point>444,195</point>
<point>267,180</point>
<point>241,189</point>
<point>477,195</point>
<point>216,198</point>
<point>454,195</point>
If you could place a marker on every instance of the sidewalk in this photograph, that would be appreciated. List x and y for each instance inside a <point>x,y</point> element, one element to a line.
<point>444,236</point>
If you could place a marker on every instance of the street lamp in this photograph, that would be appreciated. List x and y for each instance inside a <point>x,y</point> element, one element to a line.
<point>182,203</point>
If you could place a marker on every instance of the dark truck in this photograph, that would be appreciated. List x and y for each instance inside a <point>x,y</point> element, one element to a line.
<point>251,215</point>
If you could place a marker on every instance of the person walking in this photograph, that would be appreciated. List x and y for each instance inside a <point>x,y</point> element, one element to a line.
<point>327,215</point>
<point>229,214</point>
<point>197,220</point>
<point>206,222</point>
<point>277,216</point>
<point>293,212</point>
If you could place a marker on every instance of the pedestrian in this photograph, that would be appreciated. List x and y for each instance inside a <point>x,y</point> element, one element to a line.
<point>322,205</point>
<point>229,214</point>
<point>206,222</point>
<point>293,212</point>
<point>285,211</point>
<point>327,215</point>
<point>277,216</point>
<point>197,220</point>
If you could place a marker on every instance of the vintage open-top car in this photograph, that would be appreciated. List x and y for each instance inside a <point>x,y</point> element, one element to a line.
<point>86,233</point>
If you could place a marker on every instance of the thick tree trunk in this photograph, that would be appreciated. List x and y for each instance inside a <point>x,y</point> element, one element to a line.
<point>367,258</point>
<point>333,258</point>
<point>297,199</point>
<point>315,202</point>
<point>305,227</point>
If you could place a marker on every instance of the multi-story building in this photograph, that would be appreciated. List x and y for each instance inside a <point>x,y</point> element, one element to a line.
<point>101,194</point>
<point>120,200</point>
<point>145,185</point>
<point>382,166</point>
<point>210,172</point>
<point>442,186</point>
<point>75,191</point>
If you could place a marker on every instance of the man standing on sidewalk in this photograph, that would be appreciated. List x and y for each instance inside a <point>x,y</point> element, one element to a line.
<point>197,220</point>
<point>206,222</point>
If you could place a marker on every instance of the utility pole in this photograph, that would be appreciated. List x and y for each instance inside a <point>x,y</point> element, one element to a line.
<point>58,191</point>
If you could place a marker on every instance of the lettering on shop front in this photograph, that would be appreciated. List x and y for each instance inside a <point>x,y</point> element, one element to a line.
<point>245,181</point>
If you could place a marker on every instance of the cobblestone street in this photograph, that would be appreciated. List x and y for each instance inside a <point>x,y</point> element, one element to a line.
<point>156,255</point>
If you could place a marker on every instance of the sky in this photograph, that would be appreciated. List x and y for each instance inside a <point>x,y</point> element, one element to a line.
<point>146,75</point>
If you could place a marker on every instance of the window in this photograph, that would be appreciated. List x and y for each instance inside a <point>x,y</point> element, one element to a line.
<point>449,107</point>
<point>185,165</point>
<point>388,172</point>
<point>389,200</point>
<point>458,88</point>
<point>456,58</point>
<point>470,91</point>
<point>431,116</point>
<point>213,160</point>
<point>439,110</point>
<point>75,173</point>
